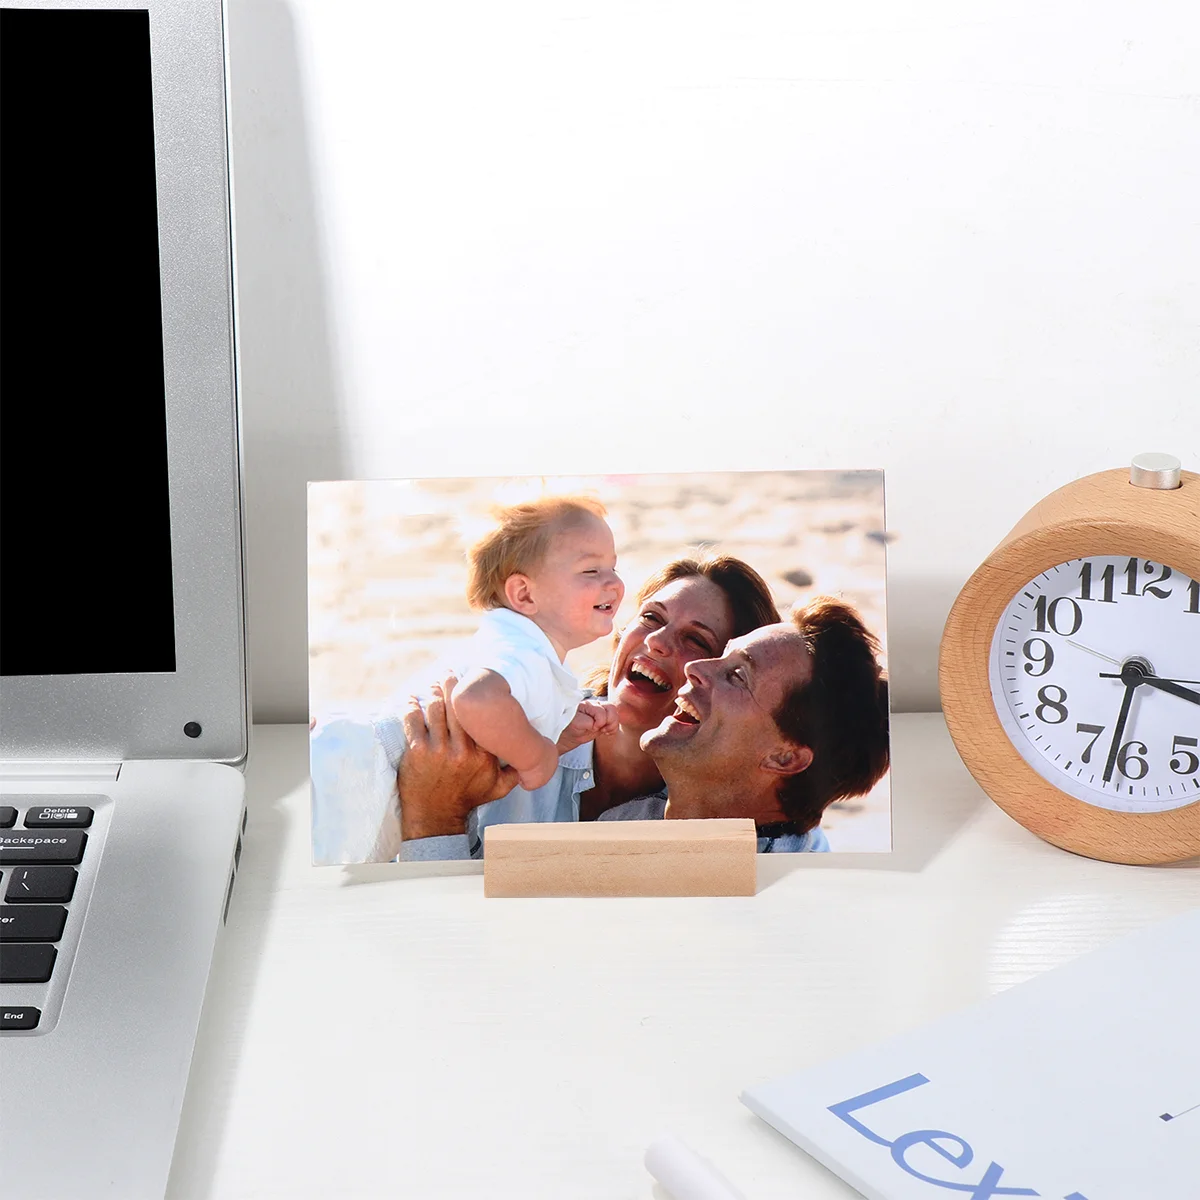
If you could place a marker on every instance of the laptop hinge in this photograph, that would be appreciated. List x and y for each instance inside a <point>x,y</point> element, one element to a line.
<point>13,771</point>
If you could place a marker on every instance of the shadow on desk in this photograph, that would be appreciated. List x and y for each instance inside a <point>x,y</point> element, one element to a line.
<point>270,779</point>
<point>925,818</point>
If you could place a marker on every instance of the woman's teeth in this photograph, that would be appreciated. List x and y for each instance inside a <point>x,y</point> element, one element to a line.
<point>651,675</point>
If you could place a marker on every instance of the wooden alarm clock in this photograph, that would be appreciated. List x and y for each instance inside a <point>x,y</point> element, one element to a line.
<point>1070,666</point>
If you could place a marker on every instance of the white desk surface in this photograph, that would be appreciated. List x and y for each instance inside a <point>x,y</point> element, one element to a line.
<point>372,1033</point>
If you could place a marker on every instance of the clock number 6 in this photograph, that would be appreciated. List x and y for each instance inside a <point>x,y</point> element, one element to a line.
<point>1124,758</point>
<point>1190,764</point>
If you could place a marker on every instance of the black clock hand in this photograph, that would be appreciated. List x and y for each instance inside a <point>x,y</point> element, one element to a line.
<point>1164,685</point>
<point>1132,679</point>
<point>1126,701</point>
<point>1169,685</point>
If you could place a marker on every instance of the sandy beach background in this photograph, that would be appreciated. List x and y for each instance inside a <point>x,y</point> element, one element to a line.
<point>387,572</point>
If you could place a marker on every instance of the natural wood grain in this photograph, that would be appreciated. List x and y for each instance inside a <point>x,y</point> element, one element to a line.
<point>622,858</point>
<point>1102,514</point>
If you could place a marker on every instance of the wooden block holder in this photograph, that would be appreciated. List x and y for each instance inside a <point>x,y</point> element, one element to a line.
<point>715,857</point>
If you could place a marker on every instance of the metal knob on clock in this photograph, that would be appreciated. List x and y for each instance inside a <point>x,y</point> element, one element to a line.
<point>1162,471</point>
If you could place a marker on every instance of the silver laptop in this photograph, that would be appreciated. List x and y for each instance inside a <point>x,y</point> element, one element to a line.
<point>123,714</point>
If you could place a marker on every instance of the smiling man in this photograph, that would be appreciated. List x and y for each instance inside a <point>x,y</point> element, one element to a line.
<point>793,717</point>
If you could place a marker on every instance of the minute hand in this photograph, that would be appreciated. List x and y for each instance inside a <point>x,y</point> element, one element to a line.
<point>1122,717</point>
<point>1163,685</point>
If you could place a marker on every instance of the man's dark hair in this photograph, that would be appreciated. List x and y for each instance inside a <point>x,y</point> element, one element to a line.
<point>841,714</point>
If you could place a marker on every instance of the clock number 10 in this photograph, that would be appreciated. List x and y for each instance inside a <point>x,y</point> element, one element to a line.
<point>1053,616</point>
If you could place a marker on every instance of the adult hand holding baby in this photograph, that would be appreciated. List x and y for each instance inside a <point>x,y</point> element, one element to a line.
<point>444,774</point>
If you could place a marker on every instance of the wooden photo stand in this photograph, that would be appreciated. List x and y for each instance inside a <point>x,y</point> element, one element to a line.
<point>713,857</point>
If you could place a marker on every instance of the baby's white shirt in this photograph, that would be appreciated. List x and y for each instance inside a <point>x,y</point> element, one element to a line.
<point>517,650</point>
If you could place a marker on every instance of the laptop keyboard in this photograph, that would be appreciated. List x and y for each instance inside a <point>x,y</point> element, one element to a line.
<point>40,847</point>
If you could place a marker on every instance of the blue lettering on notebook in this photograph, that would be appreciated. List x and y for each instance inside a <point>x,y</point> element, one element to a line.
<point>950,1146</point>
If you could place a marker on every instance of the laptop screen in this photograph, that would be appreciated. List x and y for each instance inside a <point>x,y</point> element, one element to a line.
<point>85,549</point>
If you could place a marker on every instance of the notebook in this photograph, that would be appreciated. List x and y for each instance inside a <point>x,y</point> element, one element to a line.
<point>123,714</point>
<point>1083,1084</point>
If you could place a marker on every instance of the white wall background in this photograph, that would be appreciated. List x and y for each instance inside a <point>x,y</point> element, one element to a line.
<point>956,239</point>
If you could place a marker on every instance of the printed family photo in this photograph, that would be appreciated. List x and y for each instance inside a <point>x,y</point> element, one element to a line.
<point>597,648</point>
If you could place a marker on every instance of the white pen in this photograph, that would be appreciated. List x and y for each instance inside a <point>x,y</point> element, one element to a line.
<point>685,1175</point>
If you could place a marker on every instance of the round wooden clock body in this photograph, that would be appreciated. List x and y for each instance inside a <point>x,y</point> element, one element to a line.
<point>1070,670</point>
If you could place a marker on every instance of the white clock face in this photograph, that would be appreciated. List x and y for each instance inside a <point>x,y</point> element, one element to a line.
<point>1095,674</point>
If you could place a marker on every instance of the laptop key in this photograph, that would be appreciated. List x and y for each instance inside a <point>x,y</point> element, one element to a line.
<point>37,885</point>
<point>26,962</point>
<point>52,846</point>
<point>8,817</point>
<point>19,1018</point>
<point>32,922</point>
<point>59,816</point>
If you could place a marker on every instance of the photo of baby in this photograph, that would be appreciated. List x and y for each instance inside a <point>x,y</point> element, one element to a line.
<point>546,581</point>
<point>476,658</point>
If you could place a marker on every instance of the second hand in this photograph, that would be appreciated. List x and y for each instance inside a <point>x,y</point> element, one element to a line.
<point>1089,650</point>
